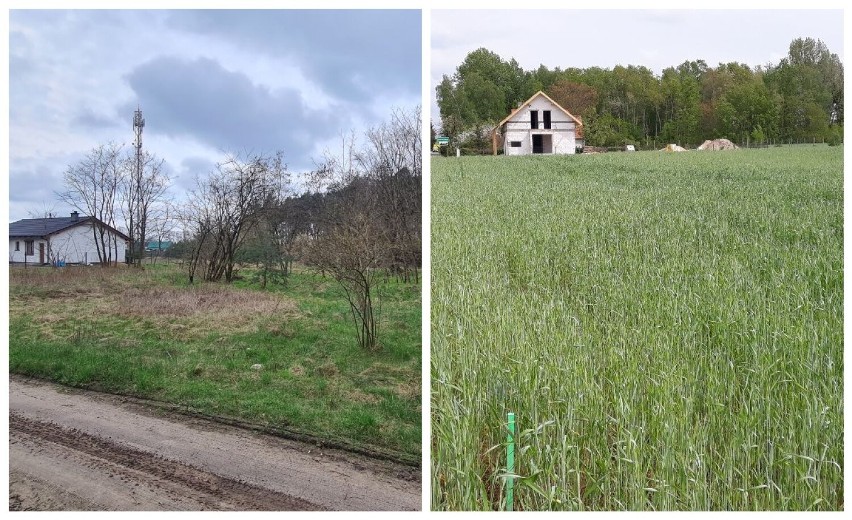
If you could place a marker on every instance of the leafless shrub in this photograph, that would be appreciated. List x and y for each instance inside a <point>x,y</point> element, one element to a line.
<point>226,206</point>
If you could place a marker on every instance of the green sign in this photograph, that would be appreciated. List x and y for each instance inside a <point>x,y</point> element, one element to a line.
<point>443,140</point>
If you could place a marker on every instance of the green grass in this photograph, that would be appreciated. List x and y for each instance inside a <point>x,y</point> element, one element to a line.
<point>149,334</point>
<point>668,329</point>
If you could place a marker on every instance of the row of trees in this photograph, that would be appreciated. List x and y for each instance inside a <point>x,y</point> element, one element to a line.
<point>799,99</point>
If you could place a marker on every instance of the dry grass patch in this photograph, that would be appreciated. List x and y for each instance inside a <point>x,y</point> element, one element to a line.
<point>67,281</point>
<point>283,329</point>
<point>57,299</point>
<point>213,301</point>
<point>410,390</point>
<point>356,395</point>
<point>397,379</point>
<point>197,311</point>
<point>387,374</point>
<point>328,370</point>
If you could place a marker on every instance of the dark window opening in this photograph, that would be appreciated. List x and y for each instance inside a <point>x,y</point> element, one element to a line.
<point>538,144</point>
<point>533,119</point>
<point>515,144</point>
<point>17,245</point>
<point>30,250</point>
<point>547,119</point>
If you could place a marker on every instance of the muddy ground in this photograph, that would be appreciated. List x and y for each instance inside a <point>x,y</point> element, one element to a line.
<point>77,450</point>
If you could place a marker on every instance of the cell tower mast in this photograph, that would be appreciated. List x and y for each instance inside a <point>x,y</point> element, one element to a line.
<point>136,246</point>
<point>138,125</point>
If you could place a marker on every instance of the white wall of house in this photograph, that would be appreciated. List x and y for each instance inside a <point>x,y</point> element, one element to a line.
<point>18,248</point>
<point>559,139</point>
<point>75,245</point>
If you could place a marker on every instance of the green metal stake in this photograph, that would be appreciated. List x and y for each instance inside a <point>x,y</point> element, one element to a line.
<point>510,463</point>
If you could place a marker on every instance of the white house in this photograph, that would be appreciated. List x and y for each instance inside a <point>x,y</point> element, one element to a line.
<point>74,240</point>
<point>538,125</point>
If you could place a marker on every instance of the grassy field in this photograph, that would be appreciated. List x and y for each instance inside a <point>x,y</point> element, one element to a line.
<point>668,329</point>
<point>150,335</point>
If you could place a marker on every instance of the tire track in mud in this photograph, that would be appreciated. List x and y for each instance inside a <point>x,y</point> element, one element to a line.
<point>214,490</point>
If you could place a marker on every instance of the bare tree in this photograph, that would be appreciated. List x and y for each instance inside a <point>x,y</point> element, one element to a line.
<point>393,158</point>
<point>198,226</point>
<point>371,214</point>
<point>350,246</point>
<point>143,187</point>
<point>226,206</point>
<point>91,186</point>
<point>395,144</point>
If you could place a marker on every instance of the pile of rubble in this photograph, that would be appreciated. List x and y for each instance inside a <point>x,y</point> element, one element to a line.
<point>718,144</point>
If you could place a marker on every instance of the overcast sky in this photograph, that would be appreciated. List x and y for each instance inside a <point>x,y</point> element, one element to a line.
<point>656,39</point>
<point>208,82</point>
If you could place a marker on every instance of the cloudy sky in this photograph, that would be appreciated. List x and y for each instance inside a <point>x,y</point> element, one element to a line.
<point>208,82</point>
<point>656,39</point>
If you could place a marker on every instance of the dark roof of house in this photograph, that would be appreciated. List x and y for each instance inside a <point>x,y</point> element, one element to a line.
<point>44,227</point>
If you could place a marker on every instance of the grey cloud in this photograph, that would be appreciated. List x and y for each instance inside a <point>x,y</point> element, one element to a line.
<point>20,47</point>
<point>223,109</point>
<point>22,70</point>
<point>87,118</point>
<point>354,54</point>
<point>33,185</point>
<point>190,169</point>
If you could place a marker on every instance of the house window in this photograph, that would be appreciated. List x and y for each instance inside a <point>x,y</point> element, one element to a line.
<point>534,119</point>
<point>515,144</point>
<point>30,250</point>
<point>546,116</point>
<point>17,245</point>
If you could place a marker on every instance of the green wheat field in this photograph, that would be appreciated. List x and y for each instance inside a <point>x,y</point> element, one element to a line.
<point>667,327</point>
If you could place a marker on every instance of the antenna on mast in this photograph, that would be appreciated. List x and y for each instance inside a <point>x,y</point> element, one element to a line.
<point>138,125</point>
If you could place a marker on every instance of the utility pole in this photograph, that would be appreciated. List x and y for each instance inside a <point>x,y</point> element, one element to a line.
<point>136,245</point>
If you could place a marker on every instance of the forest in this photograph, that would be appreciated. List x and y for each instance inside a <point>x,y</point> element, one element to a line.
<point>799,99</point>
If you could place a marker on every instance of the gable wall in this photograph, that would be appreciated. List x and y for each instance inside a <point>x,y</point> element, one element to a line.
<point>518,129</point>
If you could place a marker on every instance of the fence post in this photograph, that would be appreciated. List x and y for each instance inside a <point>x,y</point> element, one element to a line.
<point>510,464</point>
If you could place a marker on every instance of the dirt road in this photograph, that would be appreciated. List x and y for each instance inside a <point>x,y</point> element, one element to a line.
<point>77,450</point>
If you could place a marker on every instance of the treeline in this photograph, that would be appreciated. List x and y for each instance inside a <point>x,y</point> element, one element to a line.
<point>799,99</point>
<point>361,209</point>
<point>387,206</point>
